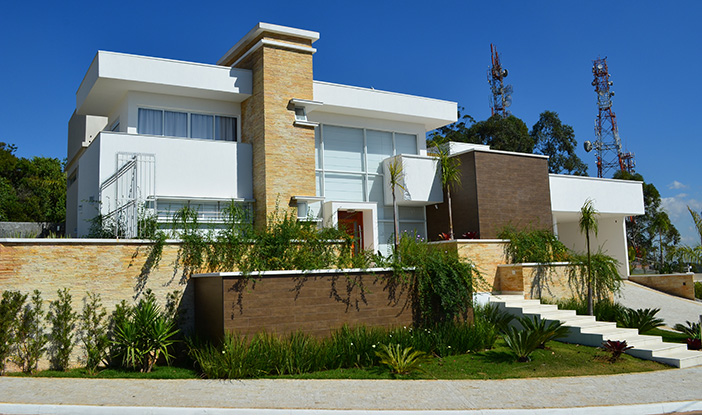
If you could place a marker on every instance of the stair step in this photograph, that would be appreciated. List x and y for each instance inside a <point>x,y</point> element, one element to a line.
<point>588,331</point>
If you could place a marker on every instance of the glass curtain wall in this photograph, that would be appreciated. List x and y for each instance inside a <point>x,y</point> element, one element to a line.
<point>349,167</point>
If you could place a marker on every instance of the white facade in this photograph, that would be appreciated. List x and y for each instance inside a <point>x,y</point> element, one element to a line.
<point>614,200</point>
<point>356,129</point>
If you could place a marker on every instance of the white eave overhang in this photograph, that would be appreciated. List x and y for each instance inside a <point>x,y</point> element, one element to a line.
<point>373,103</point>
<point>111,75</point>
<point>259,29</point>
<point>610,197</point>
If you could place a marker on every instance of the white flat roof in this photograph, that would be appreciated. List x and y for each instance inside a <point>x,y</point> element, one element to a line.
<point>112,74</point>
<point>373,103</point>
<point>610,197</point>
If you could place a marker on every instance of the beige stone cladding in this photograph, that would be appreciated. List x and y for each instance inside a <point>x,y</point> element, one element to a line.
<point>681,285</point>
<point>283,153</point>
<point>486,255</point>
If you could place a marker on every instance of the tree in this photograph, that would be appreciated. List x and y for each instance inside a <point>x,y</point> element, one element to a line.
<point>693,253</point>
<point>556,140</point>
<point>396,173</point>
<point>587,223</point>
<point>31,190</point>
<point>644,238</point>
<point>508,134</point>
<point>450,177</point>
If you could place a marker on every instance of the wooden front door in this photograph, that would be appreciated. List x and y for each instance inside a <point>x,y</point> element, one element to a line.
<point>352,223</point>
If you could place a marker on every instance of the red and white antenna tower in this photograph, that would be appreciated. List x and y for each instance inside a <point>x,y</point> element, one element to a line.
<point>501,94</point>
<point>607,145</point>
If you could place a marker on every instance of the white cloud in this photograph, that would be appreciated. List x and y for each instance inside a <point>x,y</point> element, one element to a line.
<point>677,185</point>
<point>676,207</point>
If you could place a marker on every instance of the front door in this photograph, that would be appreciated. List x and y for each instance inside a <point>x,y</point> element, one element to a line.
<point>352,223</point>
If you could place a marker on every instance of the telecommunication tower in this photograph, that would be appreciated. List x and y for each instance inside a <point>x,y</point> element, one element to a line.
<point>501,94</point>
<point>607,145</point>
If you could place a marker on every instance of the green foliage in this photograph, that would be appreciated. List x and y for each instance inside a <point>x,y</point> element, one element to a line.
<point>499,318</point>
<point>522,342</point>
<point>533,245</point>
<point>401,361</point>
<point>93,332</point>
<point>450,178</point>
<point>545,331</point>
<point>63,323</point>
<point>643,237</point>
<point>556,140</point>
<point>604,310</point>
<point>31,190</point>
<point>143,334</point>
<point>693,253</point>
<point>642,319</point>
<point>698,290</point>
<point>395,171</point>
<point>10,307</point>
<point>263,354</point>
<point>692,330</point>
<point>30,335</point>
<point>615,348</point>
<point>443,282</point>
<point>604,275</point>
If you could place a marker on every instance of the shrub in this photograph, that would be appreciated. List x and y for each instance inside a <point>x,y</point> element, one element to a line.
<point>533,245</point>
<point>522,342</point>
<point>144,335</point>
<point>691,329</point>
<point>642,319</point>
<point>698,290</point>
<point>30,338</point>
<point>443,283</point>
<point>615,348</point>
<point>63,323</point>
<point>499,318</point>
<point>401,361</point>
<point>10,307</point>
<point>604,310</point>
<point>545,331</point>
<point>605,275</point>
<point>93,332</point>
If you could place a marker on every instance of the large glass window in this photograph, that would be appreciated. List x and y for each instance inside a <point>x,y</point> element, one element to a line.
<point>349,166</point>
<point>150,122</point>
<point>183,124</point>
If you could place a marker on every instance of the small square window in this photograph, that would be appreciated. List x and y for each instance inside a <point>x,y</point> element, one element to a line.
<point>300,114</point>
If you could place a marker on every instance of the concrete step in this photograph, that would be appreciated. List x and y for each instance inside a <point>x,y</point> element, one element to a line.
<point>588,331</point>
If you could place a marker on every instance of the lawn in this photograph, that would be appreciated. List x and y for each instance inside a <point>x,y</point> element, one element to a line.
<point>558,359</point>
<point>159,372</point>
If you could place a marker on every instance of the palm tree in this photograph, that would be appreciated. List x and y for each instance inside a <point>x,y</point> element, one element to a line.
<point>396,174</point>
<point>693,253</point>
<point>661,224</point>
<point>450,177</point>
<point>588,222</point>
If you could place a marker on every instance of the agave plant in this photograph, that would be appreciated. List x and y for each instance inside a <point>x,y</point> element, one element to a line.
<point>522,342</point>
<point>615,348</point>
<point>401,362</point>
<point>546,331</point>
<point>642,319</point>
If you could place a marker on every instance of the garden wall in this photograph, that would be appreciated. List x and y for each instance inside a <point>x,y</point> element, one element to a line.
<point>536,280</point>
<point>486,254</point>
<point>116,269</point>
<point>314,302</point>
<point>681,285</point>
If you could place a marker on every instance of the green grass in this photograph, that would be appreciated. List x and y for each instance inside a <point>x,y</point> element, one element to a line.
<point>668,335</point>
<point>558,359</point>
<point>159,372</point>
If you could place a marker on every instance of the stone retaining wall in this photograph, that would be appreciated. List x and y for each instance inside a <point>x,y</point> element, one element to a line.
<point>681,285</point>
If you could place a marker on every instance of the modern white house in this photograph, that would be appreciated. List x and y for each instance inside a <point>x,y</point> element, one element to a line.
<point>151,135</point>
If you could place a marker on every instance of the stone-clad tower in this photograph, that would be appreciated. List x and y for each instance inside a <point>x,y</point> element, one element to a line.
<point>280,59</point>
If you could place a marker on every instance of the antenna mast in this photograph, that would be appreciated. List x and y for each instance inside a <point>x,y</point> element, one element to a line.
<point>607,145</point>
<point>501,94</point>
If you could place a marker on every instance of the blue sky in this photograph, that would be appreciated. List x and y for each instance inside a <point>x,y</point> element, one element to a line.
<point>437,49</point>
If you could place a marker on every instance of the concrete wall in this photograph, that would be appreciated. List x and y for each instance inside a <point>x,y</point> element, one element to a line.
<point>287,301</point>
<point>681,285</point>
<point>610,239</point>
<point>30,229</point>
